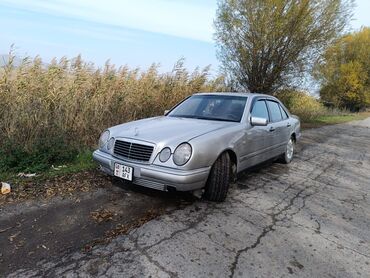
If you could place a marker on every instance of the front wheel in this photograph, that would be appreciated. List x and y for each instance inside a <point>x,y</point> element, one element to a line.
<point>219,179</point>
<point>289,151</point>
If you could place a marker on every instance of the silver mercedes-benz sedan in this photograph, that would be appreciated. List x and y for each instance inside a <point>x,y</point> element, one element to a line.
<point>201,143</point>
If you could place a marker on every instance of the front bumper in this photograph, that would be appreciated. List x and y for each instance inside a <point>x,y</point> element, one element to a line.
<point>154,176</point>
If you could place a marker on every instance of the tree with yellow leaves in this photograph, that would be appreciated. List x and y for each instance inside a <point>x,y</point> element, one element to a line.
<point>344,72</point>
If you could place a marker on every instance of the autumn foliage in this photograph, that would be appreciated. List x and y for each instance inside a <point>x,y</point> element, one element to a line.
<point>345,72</point>
<point>302,104</point>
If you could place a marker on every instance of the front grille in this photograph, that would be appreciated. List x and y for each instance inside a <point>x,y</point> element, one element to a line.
<point>133,151</point>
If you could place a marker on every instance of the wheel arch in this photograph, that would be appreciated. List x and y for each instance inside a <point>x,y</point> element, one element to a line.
<point>233,160</point>
<point>293,135</point>
<point>232,155</point>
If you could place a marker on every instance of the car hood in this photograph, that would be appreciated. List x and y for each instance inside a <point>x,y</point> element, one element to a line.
<point>167,130</point>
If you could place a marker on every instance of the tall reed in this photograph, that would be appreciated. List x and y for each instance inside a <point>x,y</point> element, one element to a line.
<point>73,101</point>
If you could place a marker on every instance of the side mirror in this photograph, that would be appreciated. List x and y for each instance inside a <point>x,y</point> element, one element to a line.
<point>255,121</point>
<point>165,112</point>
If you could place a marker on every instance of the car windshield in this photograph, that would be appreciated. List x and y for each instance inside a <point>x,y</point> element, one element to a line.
<point>211,107</point>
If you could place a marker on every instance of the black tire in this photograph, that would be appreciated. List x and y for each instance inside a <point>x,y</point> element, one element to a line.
<point>219,178</point>
<point>286,157</point>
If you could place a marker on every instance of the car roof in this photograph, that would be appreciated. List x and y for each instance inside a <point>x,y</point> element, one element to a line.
<point>238,94</point>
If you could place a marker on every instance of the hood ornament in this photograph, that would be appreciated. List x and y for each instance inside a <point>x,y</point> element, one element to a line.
<point>136,131</point>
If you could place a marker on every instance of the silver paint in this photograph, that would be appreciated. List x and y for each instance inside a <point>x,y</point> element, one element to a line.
<point>248,144</point>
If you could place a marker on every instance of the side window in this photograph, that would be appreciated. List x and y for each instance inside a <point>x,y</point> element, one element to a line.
<point>283,113</point>
<point>260,110</point>
<point>274,111</point>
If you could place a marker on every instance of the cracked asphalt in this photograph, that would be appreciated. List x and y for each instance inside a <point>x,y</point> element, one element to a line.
<point>307,219</point>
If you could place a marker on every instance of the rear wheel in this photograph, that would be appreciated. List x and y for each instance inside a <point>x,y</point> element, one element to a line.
<point>219,179</point>
<point>287,157</point>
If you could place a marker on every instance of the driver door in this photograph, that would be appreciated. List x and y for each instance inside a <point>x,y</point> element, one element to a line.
<point>256,138</point>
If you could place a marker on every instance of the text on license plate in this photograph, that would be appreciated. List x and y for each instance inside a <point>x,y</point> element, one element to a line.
<point>123,171</point>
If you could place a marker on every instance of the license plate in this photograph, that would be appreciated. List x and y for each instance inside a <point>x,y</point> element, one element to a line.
<point>123,171</point>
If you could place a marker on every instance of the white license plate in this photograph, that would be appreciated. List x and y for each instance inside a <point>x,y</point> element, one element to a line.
<point>123,171</point>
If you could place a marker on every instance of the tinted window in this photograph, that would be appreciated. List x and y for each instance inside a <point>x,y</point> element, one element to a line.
<point>283,112</point>
<point>274,111</point>
<point>260,110</point>
<point>211,107</point>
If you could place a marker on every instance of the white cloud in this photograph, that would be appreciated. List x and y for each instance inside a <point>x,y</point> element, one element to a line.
<point>189,19</point>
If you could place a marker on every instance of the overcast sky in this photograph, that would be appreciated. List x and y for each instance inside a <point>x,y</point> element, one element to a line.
<point>133,32</point>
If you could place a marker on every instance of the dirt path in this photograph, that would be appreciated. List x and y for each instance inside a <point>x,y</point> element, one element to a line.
<point>307,219</point>
<point>34,230</point>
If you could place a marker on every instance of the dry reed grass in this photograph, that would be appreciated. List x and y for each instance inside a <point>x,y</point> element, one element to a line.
<point>73,101</point>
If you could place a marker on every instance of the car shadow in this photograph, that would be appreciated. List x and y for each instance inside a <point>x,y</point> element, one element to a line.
<point>174,196</point>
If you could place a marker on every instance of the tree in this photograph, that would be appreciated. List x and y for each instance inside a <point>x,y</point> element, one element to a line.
<point>264,45</point>
<point>344,72</point>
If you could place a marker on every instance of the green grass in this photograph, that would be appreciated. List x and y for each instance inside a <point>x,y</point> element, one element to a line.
<point>82,162</point>
<point>335,119</point>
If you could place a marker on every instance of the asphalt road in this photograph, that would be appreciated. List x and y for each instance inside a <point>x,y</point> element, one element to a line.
<point>307,219</point>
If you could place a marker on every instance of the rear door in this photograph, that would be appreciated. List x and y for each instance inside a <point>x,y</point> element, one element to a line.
<point>287,125</point>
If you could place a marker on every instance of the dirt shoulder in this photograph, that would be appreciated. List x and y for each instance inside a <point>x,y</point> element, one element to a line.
<point>46,219</point>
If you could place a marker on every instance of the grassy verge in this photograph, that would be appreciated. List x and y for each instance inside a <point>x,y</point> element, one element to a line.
<point>82,162</point>
<point>334,119</point>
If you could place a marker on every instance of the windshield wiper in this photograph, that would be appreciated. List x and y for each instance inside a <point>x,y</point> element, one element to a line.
<point>184,116</point>
<point>204,118</point>
<point>215,119</point>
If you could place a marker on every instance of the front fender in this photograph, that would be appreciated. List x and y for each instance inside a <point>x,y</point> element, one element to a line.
<point>207,148</point>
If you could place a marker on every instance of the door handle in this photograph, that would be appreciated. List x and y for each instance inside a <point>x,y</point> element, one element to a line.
<point>272,129</point>
<point>288,125</point>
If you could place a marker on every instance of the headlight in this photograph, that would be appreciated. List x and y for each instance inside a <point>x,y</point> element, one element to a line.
<point>104,139</point>
<point>182,154</point>
<point>165,154</point>
<point>110,143</point>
